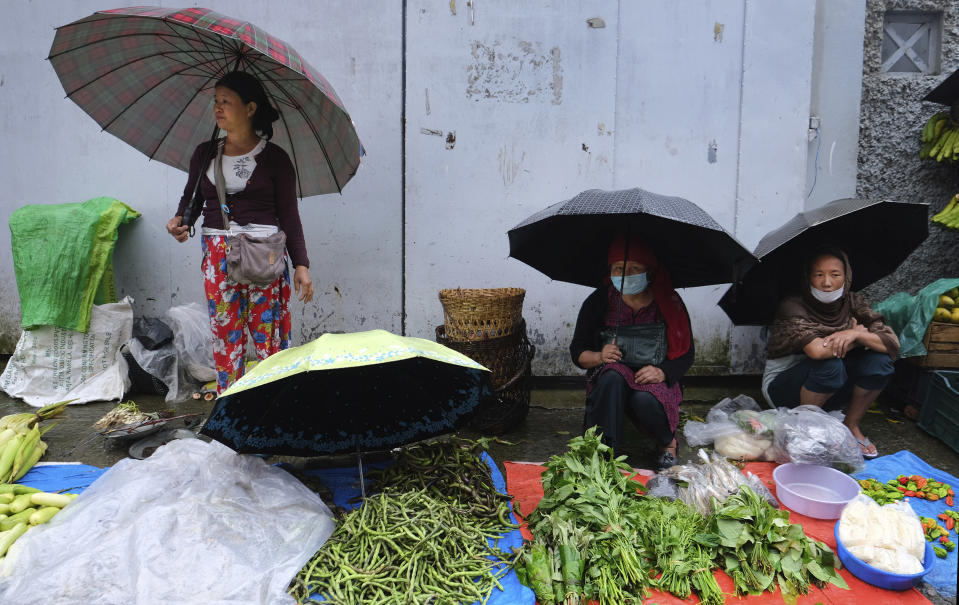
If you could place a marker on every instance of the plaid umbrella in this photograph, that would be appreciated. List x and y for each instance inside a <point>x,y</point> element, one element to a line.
<point>146,75</point>
<point>569,241</point>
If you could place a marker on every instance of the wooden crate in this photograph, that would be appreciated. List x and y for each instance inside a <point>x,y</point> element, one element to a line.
<point>942,346</point>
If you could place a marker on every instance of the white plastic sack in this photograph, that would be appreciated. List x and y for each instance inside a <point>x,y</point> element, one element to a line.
<point>193,523</point>
<point>53,364</point>
<point>193,340</point>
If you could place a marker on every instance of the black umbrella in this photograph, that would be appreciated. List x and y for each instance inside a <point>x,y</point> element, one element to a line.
<point>569,241</point>
<point>344,393</point>
<point>947,92</point>
<point>876,236</point>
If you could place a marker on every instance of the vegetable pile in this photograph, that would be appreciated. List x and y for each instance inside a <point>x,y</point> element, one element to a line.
<point>428,537</point>
<point>21,445</point>
<point>22,507</point>
<point>598,537</point>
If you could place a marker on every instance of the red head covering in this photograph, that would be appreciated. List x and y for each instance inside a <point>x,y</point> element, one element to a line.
<point>678,332</point>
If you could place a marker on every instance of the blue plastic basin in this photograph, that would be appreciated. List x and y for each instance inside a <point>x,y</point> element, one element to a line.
<point>877,577</point>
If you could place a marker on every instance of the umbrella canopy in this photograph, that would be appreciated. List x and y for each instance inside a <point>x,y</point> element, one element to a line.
<point>876,236</point>
<point>569,241</point>
<point>146,75</point>
<point>346,392</point>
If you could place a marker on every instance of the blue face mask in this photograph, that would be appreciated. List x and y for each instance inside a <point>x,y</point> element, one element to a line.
<point>632,284</point>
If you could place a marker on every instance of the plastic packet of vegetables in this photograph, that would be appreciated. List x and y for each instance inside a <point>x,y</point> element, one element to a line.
<point>661,486</point>
<point>889,537</point>
<point>808,435</point>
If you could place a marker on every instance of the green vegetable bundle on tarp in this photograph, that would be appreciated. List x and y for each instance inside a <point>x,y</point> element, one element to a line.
<point>63,259</point>
<point>909,315</point>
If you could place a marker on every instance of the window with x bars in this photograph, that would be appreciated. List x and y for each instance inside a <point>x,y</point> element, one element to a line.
<point>910,42</point>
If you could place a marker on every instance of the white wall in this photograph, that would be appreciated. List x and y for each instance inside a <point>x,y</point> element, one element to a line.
<point>706,99</point>
<point>835,99</point>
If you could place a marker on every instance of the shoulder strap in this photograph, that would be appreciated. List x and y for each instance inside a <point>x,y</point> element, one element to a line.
<point>220,183</point>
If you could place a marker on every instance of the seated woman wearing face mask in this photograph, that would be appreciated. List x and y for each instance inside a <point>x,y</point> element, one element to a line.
<point>827,347</point>
<point>638,375</point>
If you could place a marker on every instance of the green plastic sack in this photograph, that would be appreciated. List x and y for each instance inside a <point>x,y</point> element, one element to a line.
<point>63,259</point>
<point>909,315</point>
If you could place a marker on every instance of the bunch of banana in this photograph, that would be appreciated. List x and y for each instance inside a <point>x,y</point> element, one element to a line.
<point>940,138</point>
<point>949,216</point>
<point>20,443</point>
<point>947,308</point>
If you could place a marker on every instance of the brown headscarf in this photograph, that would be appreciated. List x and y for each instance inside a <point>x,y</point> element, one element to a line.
<point>802,319</point>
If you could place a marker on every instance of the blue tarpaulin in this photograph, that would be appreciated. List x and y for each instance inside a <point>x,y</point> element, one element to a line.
<point>70,478</point>
<point>943,575</point>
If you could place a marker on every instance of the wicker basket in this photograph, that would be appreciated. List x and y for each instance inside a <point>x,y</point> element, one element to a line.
<point>471,315</point>
<point>509,361</point>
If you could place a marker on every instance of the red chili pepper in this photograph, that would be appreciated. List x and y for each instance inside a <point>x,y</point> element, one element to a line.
<point>903,479</point>
<point>932,497</point>
<point>943,539</point>
<point>920,481</point>
<point>950,501</point>
<point>950,523</point>
<point>909,492</point>
<point>950,492</point>
<point>920,495</point>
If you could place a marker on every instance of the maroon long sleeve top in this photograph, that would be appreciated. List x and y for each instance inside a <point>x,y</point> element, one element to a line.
<point>269,198</point>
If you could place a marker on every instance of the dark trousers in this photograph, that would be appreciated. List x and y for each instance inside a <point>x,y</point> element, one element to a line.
<point>611,400</point>
<point>870,370</point>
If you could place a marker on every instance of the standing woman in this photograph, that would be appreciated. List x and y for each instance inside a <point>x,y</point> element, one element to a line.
<point>827,347</point>
<point>639,291</point>
<point>261,199</point>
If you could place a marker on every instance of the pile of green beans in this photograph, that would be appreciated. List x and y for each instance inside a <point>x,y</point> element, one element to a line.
<point>448,469</point>
<point>406,548</point>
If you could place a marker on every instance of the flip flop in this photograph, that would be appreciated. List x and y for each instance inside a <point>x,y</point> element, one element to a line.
<point>865,445</point>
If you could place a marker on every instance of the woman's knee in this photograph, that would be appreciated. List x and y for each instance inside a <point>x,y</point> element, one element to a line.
<point>826,376</point>
<point>874,370</point>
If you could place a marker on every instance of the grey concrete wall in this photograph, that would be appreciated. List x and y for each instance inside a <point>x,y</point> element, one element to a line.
<point>891,122</point>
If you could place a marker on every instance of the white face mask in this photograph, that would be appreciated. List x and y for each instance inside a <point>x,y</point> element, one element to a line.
<point>826,297</point>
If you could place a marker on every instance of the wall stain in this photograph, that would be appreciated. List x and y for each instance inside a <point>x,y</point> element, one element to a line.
<point>718,32</point>
<point>451,139</point>
<point>711,152</point>
<point>509,166</point>
<point>514,72</point>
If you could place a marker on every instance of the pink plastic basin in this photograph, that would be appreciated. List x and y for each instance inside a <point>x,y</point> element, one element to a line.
<point>815,491</point>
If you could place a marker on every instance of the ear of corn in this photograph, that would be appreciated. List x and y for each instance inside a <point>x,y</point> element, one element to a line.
<point>21,443</point>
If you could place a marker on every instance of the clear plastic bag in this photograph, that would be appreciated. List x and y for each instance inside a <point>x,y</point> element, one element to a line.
<point>193,523</point>
<point>164,364</point>
<point>808,435</point>
<point>713,478</point>
<point>889,537</point>
<point>737,428</point>
<point>192,339</point>
<point>661,486</point>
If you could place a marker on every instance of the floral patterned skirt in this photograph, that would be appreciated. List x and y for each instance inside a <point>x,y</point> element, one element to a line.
<point>236,309</point>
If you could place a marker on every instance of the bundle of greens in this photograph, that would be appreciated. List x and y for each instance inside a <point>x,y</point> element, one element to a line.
<point>760,549</point>
<point>596,536</point>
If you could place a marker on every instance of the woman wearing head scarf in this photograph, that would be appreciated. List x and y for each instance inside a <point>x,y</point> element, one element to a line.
<point>827,347</point>
<point>260,184</point>
<point>638,292</point>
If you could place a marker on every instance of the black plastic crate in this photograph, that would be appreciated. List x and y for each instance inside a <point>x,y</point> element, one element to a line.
<point>939,415</point>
